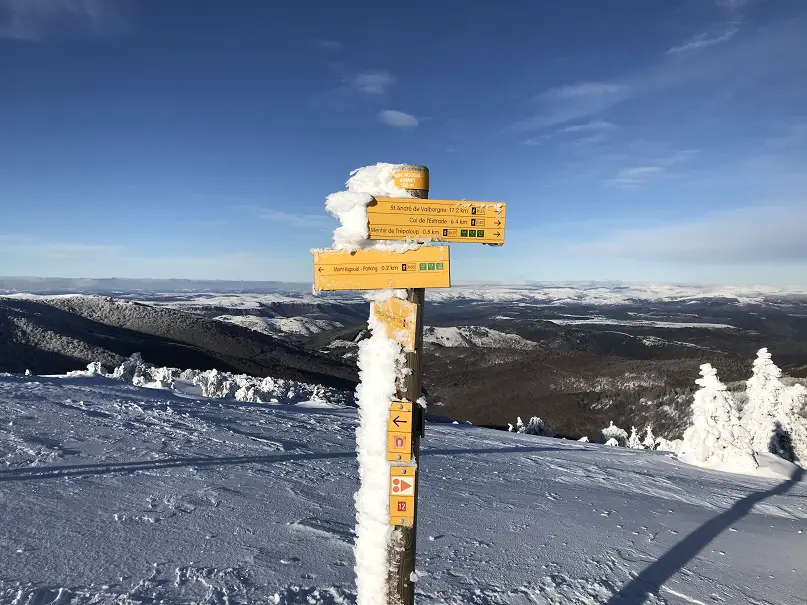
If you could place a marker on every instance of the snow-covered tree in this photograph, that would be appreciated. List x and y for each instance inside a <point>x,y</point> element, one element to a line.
<point>535,426</point>
<point>583,439</point>
<point>633,441</point>
<point>764,392</point>
<point>614,432</point>
<point>649,439</point>
<point>773,411</point>
<point>613,442</point>
<point>716,438</point>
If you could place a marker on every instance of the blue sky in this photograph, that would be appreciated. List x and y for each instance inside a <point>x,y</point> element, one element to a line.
<point>632,140</point>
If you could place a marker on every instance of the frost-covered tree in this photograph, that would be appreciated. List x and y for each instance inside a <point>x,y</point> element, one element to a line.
<point>764,392</point>
<point>649,439</point>
<point>773,412</point>
<point>716,438</point>
<point>614,432</point>
<point>633,441</point>
<point>612,442</point>
<point>583,439</point>
<point>535,426</point>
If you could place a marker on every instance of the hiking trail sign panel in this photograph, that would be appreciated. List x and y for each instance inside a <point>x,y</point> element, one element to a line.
<point>439,220</point>
<point>425,267</point>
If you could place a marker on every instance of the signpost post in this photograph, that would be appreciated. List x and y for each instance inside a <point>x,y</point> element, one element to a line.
<point>415,218</point>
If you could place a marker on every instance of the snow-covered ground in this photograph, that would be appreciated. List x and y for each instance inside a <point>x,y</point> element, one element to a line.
<point>474,336</point>
<point>115,493</point>
<point>274,326</point>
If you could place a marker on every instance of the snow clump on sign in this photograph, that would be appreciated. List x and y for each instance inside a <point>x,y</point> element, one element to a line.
<point>350,206</point>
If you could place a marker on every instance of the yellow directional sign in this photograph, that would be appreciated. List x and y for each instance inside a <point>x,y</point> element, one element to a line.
<point>425,267</point>
<point>400,417</point>
<point>438,220</point>
<point>399,318</point>
<point>411,179</point>
<point>402,495</point>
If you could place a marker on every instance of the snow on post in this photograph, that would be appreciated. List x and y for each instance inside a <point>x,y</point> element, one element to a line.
<point>350,206</point>
<point>716,439</point>
<point>381,362</point>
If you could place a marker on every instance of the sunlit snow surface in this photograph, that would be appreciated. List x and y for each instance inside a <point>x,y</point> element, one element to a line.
<point>114,493</point>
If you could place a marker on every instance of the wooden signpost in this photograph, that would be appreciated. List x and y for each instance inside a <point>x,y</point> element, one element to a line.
<point>418,219</point>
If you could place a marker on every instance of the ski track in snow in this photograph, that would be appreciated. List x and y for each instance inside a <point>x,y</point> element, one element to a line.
<point>111,493</point>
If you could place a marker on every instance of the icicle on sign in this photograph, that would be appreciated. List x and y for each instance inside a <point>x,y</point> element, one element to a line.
<point>399,318</point>
<point>411,179</point>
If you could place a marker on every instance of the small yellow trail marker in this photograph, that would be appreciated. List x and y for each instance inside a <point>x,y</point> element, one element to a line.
<point>402,495</point>
<point>399,432</point>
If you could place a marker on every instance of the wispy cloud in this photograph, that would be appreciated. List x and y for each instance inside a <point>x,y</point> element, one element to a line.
<point>17,244</point>
<point>373,82</point>
<point>301,221</point>
<point>703,40</point>
<point>537,141</point>
<point>598,126</point>
<point>760,234</point>
<point>34,20</point>
<point>330,45</point>
<point>573,102</point>
<point>637,176</point>
<point>398,119</point>
<point>719,33</point>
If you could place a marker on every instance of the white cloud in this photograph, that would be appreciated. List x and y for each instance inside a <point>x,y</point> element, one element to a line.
<point>584,90</point>
<point>763,234</point>
<point>703,40</point>
<point>19,245</point>
<point>303,221</point>
<point>331,45</point>
<point>37,19</point>
<point>633,177</point>
<point>565,104</point>
<point>597,126</point>
<point>373,82</point>
<point>398,119</point>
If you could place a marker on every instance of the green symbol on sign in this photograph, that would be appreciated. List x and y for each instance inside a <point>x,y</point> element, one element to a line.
<point>480,233</point>
<point>472,233</point>
<point>439,266</point>
<point>463,233</point>
<point>431,266</point>
<point>422,266</point>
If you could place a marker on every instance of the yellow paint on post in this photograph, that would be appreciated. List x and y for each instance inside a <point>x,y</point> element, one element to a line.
<point>399,318</point>
<point>402,495</point>
<point>426,267</point>
<point>411,179</point>
<point>437,220</point>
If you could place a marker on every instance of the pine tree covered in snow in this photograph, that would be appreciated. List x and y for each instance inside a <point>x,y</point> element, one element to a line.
<point>716,438</point>
<point>612,442</point>
<point>773,412</point>
<point>614,432</point>
<point>535,426</point>
<point>649,439</point>
<point>633,442</point>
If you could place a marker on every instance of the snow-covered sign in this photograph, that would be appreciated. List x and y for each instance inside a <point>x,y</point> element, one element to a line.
<point>399,318</point>
<point>436,220</point>
<point>374,269</point>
